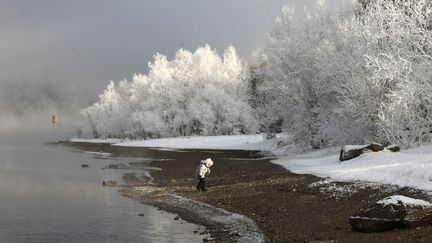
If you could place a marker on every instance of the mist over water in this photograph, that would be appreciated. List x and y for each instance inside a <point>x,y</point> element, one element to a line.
<point>26,110</point>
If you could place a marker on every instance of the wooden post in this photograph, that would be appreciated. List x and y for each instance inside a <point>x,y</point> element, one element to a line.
<point>55,120</point>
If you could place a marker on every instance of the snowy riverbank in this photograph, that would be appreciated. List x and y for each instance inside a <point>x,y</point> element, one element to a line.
<point>233,142</point>
<point>412,168</point>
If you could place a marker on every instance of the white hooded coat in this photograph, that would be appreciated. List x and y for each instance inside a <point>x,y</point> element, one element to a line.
<point>204,168</point>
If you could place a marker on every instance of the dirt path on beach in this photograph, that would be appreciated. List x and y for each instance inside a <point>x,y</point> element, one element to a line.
<point>286,207</point>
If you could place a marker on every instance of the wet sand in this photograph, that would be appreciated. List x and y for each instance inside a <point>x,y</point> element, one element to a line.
<point>286,207</point>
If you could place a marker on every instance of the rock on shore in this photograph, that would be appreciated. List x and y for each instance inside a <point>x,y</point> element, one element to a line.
<point>108,182</point>
<point>391,213</point>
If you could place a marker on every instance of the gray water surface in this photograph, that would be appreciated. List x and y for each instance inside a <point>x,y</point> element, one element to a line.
<point>45,196</point>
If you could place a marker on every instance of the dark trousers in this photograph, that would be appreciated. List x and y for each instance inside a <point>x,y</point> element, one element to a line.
<point>201,184</point>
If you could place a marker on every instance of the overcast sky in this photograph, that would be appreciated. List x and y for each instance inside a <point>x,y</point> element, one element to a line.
<point>82,44</point>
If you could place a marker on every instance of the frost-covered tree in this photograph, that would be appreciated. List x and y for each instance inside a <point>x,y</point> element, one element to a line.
<point>399,63</point>
<point>261,95</point>
<point>339,79</point>
<point>295,78</point>
<point>197,93</point>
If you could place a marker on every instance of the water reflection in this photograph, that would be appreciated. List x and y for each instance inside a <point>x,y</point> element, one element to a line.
<point>45,196</point>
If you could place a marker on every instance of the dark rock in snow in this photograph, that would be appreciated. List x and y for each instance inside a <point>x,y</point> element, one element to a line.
<point>141,215</point>
<point>84,165</point>
<point>350,154</point>
<point>393,148</point>
<point>353,151</point>
<point>107,182</point>
<point>374,147</point>
<point>388,216</point>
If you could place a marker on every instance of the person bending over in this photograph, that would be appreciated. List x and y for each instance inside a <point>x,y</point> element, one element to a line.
<point>201,172</point>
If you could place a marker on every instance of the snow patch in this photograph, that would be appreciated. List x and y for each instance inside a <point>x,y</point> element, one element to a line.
<point>336,190</point>
<point>353,147</point>
<point>243,142</point>
<point>95,140</point>
<point>253,142</point>
<point>405,200</point>
<point>410,168</point>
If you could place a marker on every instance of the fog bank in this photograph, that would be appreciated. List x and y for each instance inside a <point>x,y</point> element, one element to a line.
<point>28,108</point>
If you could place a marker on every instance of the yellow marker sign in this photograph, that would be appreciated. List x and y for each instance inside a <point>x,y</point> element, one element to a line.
<point>55,119</point>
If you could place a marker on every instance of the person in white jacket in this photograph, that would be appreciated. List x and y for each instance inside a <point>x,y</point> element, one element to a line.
<point>201,172</point>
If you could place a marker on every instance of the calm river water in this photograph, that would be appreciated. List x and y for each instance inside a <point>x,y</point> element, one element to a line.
<point>45,196</point>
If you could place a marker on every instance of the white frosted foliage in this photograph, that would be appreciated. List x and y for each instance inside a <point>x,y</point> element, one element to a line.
<point>350,78</point>
<point>197,93</point>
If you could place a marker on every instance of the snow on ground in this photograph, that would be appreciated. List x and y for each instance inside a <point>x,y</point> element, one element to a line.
<point>405,200</point>
<point>226,142</point>
<point>233,142</point>
<point>353,147</point>
<point>412,168</point>
<point>95,140</point>
<point>237,142</point>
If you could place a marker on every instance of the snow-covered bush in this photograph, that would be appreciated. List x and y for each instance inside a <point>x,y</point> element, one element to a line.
<point>196,93</point>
